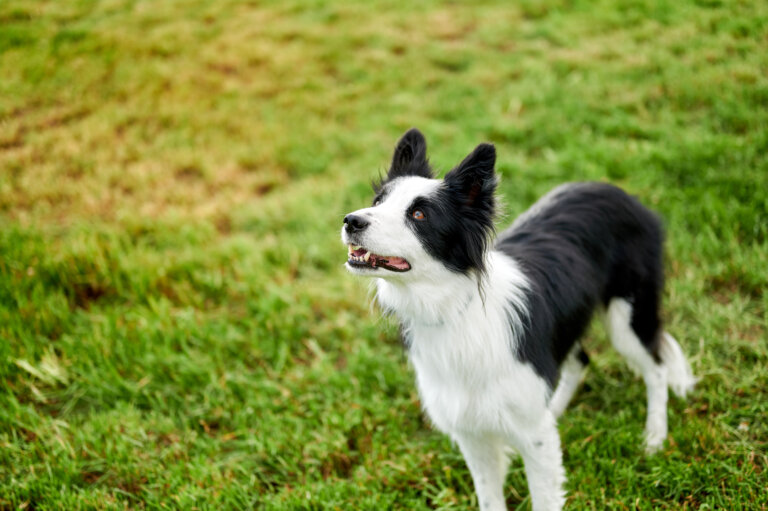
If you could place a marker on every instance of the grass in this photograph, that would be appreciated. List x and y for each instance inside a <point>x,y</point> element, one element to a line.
<point>176,329</point>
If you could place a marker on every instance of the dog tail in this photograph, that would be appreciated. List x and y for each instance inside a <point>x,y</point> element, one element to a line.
<point>679,375</point>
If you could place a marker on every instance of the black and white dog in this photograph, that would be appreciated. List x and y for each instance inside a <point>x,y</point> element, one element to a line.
<point>492,327</point>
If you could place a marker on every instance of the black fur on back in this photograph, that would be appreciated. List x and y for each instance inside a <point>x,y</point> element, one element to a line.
<point>590,243</point>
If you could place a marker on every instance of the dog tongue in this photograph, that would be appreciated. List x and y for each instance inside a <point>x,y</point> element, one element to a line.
<point>392,262</point>
<point>396,262</point>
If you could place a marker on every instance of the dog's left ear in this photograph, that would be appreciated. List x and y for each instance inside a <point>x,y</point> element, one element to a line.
<point>473,181</point>
<point>469,189</point>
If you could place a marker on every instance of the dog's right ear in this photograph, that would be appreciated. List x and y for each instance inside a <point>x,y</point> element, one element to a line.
<point>410,158</point>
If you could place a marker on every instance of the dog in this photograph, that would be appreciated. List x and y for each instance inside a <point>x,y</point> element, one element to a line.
<point>492,325</point>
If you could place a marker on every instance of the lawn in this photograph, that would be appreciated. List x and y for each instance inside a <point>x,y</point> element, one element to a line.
<point>176,327</point>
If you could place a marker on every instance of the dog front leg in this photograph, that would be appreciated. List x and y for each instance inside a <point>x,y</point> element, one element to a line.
<point>488,464</point>
<point>540,448</point>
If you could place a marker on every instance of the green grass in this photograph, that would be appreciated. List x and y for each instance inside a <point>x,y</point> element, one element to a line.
<point>176,328</point>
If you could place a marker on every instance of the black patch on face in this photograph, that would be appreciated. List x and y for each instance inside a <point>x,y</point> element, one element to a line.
<point>458,222</point>
<point>593,244</point>
<point>409,159</point>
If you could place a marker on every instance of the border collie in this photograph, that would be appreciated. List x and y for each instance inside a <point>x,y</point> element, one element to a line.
<point>492,327</point>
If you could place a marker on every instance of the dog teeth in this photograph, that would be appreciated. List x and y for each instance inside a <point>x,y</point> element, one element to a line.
<point>365,258</point>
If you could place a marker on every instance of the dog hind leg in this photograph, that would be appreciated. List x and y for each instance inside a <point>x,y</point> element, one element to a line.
<point>639,354</point>
<point>571,372</point>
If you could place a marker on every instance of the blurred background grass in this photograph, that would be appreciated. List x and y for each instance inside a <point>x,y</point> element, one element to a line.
<point>176,329</point>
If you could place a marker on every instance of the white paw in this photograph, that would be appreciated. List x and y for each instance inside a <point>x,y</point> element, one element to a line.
<point>654,441</point>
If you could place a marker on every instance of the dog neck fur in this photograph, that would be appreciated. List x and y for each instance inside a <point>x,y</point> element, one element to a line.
<point>446,298</point>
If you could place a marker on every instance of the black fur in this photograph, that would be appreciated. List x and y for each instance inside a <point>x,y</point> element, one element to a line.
<point>409,159</point>
<point>583,357</point>
<point>591,243</point>
<point>459,220</point>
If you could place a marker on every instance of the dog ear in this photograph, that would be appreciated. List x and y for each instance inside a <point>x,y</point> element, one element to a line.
<point>410,158</point>
<point>473,181</point>
<point>469,190</point>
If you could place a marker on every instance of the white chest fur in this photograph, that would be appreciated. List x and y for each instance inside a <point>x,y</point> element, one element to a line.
<point>462,346</point>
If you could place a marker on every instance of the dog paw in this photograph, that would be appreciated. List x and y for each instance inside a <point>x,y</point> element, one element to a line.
<point>654,441</point>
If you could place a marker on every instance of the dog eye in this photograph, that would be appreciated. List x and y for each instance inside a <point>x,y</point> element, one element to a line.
<point>418,214</point>
<point>376,202</point>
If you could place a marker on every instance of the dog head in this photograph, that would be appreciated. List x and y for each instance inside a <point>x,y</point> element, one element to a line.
<point>416,222</point>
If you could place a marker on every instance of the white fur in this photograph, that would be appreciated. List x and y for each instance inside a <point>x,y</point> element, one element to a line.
<point>626,342</point>
<point>673,371</point>
<point>571,372</point>
<point>679,374</point>
<point>388,235</point>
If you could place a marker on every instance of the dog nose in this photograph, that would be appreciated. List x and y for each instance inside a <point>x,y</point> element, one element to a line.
<point>355,223</point>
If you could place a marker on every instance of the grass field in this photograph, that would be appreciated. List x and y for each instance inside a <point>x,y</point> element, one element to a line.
<point>176,328</point>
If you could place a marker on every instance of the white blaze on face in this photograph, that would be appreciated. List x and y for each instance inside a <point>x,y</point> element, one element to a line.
<point>388,233</point>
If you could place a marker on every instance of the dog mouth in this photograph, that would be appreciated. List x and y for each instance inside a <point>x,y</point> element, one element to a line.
<point>360,257</point>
